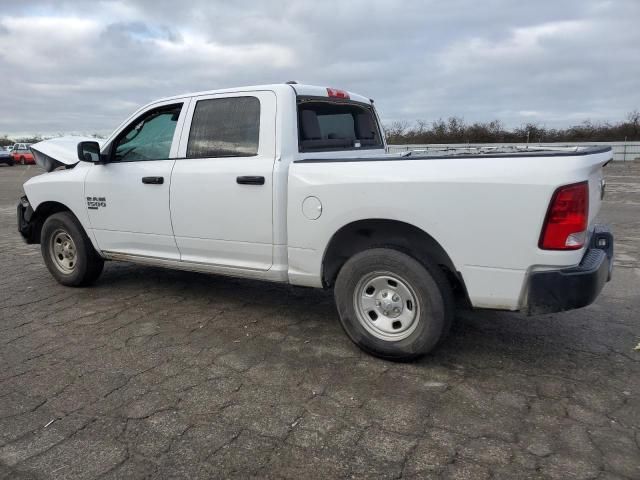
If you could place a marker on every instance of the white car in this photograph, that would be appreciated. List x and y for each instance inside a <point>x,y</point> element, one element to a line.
<point>292,183</point>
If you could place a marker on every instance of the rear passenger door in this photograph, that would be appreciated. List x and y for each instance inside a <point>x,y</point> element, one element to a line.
<point>221,186</point>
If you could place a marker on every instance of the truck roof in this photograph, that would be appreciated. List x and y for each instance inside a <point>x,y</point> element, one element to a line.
<point>300,89</point>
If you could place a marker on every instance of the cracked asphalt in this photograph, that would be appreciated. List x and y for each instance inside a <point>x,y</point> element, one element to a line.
<point>154,373</point>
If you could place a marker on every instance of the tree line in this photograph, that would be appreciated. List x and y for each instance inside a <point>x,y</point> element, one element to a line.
<point>455,130</point>
<point>6,141</point>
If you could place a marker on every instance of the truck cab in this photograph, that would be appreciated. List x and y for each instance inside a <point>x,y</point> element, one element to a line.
<point>229,150</point>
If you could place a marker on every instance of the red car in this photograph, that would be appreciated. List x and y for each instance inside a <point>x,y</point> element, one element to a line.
<point>22,154</point>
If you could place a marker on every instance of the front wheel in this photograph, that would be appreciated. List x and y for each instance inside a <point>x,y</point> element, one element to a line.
<point>21,160</point>
<point>392,305</point>
<point>68,252</point>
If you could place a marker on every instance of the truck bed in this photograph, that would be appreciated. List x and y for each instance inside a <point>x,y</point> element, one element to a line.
<point>484,206</point>
<point>471,152</point>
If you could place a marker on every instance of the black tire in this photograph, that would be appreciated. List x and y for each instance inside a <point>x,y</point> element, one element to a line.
<point>21,160</point>
<point>86,265</point>
<point>11,163</point>
<point>426,281</point>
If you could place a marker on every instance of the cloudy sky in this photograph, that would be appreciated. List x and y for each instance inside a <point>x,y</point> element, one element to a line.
<point>83,66</point>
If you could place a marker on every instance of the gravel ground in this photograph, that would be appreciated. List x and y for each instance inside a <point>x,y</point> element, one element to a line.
<point>163,374</point>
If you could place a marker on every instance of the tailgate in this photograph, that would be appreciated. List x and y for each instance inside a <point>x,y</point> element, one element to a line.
<point>595,174</point>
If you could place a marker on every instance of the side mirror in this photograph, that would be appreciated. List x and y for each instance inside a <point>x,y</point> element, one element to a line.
<point>89,152</point>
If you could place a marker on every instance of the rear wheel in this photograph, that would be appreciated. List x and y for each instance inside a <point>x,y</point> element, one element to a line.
<point>393,306</point>
<point>68,252</point>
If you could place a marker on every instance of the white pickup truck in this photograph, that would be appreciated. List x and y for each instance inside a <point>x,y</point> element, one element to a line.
<point>292,183</point>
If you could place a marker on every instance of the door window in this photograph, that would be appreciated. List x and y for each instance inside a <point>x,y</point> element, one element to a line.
<point>225,127</point>
<point>149,137</point>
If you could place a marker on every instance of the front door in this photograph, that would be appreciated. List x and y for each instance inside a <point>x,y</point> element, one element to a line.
<point>128,197</point>
<point>221,187</point>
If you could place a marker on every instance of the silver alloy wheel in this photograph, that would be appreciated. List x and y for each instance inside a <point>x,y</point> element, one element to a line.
<point>386,306</point>
<point>62,250</point>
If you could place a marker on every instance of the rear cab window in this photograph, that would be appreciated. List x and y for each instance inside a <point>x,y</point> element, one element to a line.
<point>328,124</point>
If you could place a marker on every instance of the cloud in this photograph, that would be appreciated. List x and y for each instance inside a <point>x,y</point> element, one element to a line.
<point>86,65</point>
<point>524,45</point>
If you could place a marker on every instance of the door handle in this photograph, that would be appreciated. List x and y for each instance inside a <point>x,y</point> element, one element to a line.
<point>153,180</point>
<point>250,180</point>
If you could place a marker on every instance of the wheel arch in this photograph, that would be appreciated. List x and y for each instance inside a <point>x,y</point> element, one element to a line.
<point>40,215</point>
<point>377,232</point>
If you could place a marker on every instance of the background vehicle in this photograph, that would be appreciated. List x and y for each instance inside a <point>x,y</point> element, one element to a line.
<point>291,183</point>
<point>21,154</point>
<point>5,157</point>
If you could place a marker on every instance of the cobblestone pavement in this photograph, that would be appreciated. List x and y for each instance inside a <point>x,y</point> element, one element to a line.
<point>156,373</point>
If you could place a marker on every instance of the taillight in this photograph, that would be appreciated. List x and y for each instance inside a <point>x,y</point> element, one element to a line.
<point>335,93</point>
<point>565,226</point>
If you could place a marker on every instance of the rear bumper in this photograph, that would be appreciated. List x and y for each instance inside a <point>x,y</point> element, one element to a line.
<point>559,290</point>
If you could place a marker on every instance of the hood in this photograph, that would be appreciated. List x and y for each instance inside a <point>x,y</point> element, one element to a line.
<point>59,152</point>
